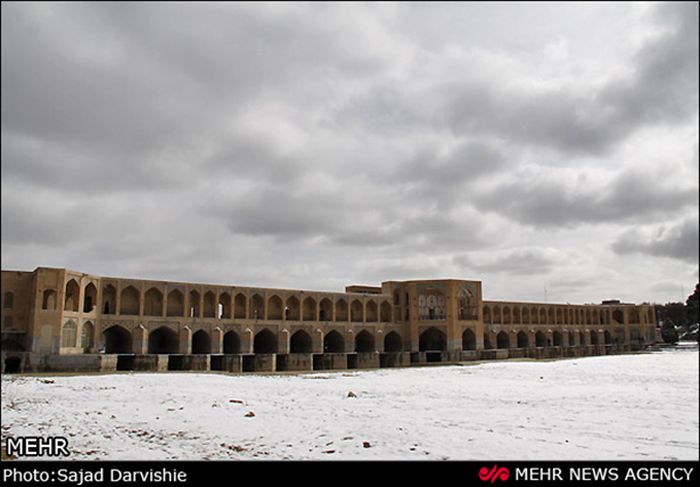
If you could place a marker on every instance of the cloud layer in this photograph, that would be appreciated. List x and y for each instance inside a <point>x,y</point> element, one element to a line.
<point>314,146</point>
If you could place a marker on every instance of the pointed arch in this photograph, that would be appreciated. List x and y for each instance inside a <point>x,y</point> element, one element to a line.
<point>325,312</point>
<point>371,310</point>
<point>333,342</point>
<point>224,306</point>
<point>117,340</point>
<point>48,301</point>
<point>153,302</point>
<point>232,342</point>
<point>90,298</point>
<point>209,305</point>
<point>468,340</point>
<point>201,342</point>
<point>310,309</point>
<point>356,311</point>
<point>364,342</point>
<point>293,309</point>
<point>274,308</point>
<point>240,303</point>
<point>109,300</point>
<point>257,308</point>
<point>87,336</point>
<point>195,310</point>
<point>176,303</point>
<point>71,299</point>
<point>392,342</point>
<point>300,342</point>
<point>385,312</point>
<point>522,339</point>
<point>162,340</point>
<point>265,342</point>
<point>432,339</point>
<point>130,301</point>
<point>341,310</point>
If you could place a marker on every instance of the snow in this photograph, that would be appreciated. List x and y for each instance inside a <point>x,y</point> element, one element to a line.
<point>632,407</point>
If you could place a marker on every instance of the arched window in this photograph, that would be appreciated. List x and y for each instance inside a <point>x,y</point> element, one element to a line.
<point>90,300</point>
<point>69,334</point>
<point>87,337</point>
<point>72,296</point>
<point>9,300</point>
<point>467,304</point>
<point>49,299</point>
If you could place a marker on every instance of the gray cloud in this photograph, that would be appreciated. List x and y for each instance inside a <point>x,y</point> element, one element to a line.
<point>679,241</point>
<point>276,144</point>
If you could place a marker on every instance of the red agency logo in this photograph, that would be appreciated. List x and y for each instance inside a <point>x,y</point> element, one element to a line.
<point>494,474</point>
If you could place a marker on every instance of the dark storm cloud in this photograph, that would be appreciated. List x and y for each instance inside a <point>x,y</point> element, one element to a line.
<point>548,202</point>
<point>527,261</point>
<point>680,241</point>
<point>662,89</point>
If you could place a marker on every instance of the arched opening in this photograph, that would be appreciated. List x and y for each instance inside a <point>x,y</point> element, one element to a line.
<point>487,315</point>
<point>300,342</point>
<point>385,312</point>
<point>488,344</point>
<point>497,315</point>
<point>109,300</point>
<point>582,338</point>
<point>392,342</point>
<point>153,302</point>
<point>292,310</point>
<point>162,340</point>
<point>540,339</point>
<point>69,334</point>
<point>516,315</point>
<point>13,365</point>
<point>594,337</point>
<point>224,308</point>
<point>87,336</point>
<point>201,342</point>
<point>333,342</point>
<point>257,310</point>
<point>325,312</point>
<point>558,342</point>
<point>507,316</point>
<point>265,342</point>
<point>309,309</point>
<point>176,303</point>
<point>195,310</point>
<point>90,300</point>
<point>129,301</point>
<point>274,308</point>
<point>431,339</point>
<point>356,311</point>
<point>232,342</point>
<point>608,337</point>
<point>618,316</point>
<point>467,304</point>
<point>341,310</point>
<point>543,316</point>
<point>526,316</point>
<point>372,312</point>
<point>209,305</point>
<point>239,306</point>
<point>522,339</point>
<point>117,340</point>
<point>72,296</point>
<point>468,340</point>
<point>364,342</point>
<point>49,299</point>
<point>502,340</point>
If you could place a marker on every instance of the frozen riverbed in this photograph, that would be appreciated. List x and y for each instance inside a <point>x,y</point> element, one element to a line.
<point>611,407</point>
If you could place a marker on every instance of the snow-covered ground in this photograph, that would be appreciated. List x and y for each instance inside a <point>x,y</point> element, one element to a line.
<point>614,407</point>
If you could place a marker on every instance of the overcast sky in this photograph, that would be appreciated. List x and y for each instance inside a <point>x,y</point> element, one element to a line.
<point>528,146</point>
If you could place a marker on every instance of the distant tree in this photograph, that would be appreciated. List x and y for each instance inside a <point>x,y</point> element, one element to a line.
<point>668,332</point>
<point>692,311</point>
<point>676,312</point>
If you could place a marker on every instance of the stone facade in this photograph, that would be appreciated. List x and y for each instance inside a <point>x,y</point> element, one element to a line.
<point>59,319</point>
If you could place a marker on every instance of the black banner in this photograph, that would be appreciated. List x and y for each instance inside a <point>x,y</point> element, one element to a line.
<point>487,473</point>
